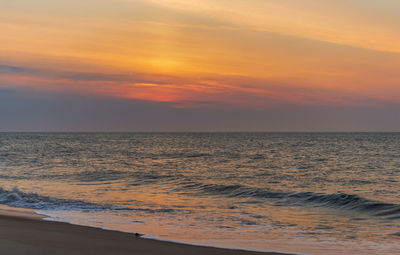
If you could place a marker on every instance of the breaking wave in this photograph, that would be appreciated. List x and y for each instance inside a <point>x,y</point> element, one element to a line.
<point>341,201</point>
<point>17,198</point>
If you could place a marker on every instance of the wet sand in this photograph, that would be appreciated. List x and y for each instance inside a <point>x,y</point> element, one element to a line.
<point>24,233</point>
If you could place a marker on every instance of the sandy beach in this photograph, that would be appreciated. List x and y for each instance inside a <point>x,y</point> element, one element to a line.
<point>24,233</point>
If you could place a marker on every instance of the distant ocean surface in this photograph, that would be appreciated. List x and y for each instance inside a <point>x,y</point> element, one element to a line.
<point>309,193</point>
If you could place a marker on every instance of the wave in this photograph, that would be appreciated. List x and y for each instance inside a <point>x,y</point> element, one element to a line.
<point>341,201</point>
<point>17,198</point>
<point>20,199</point>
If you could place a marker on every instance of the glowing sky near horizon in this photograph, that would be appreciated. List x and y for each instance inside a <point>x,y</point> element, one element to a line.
<point>203,53</point>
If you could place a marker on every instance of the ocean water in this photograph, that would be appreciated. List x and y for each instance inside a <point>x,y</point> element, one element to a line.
<point>308,193</point>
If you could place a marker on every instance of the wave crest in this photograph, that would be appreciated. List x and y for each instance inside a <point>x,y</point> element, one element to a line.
<point>341,201</point>
<point>16,198</point>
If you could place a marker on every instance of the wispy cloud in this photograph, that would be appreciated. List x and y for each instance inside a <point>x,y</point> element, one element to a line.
<point>11,69</point>
<point>250,54</point>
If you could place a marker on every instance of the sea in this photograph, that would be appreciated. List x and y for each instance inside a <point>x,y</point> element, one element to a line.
<point>302,193</point>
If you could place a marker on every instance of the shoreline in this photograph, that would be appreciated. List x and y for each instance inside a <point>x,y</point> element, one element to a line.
<point>22,231</point>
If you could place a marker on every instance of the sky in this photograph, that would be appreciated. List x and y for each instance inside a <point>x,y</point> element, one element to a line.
<point>199,65</point>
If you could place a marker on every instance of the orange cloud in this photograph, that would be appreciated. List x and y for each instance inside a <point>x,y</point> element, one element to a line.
<point>188,52</point>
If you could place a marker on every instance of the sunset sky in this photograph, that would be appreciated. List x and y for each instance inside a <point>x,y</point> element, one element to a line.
<point>199,65</point>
